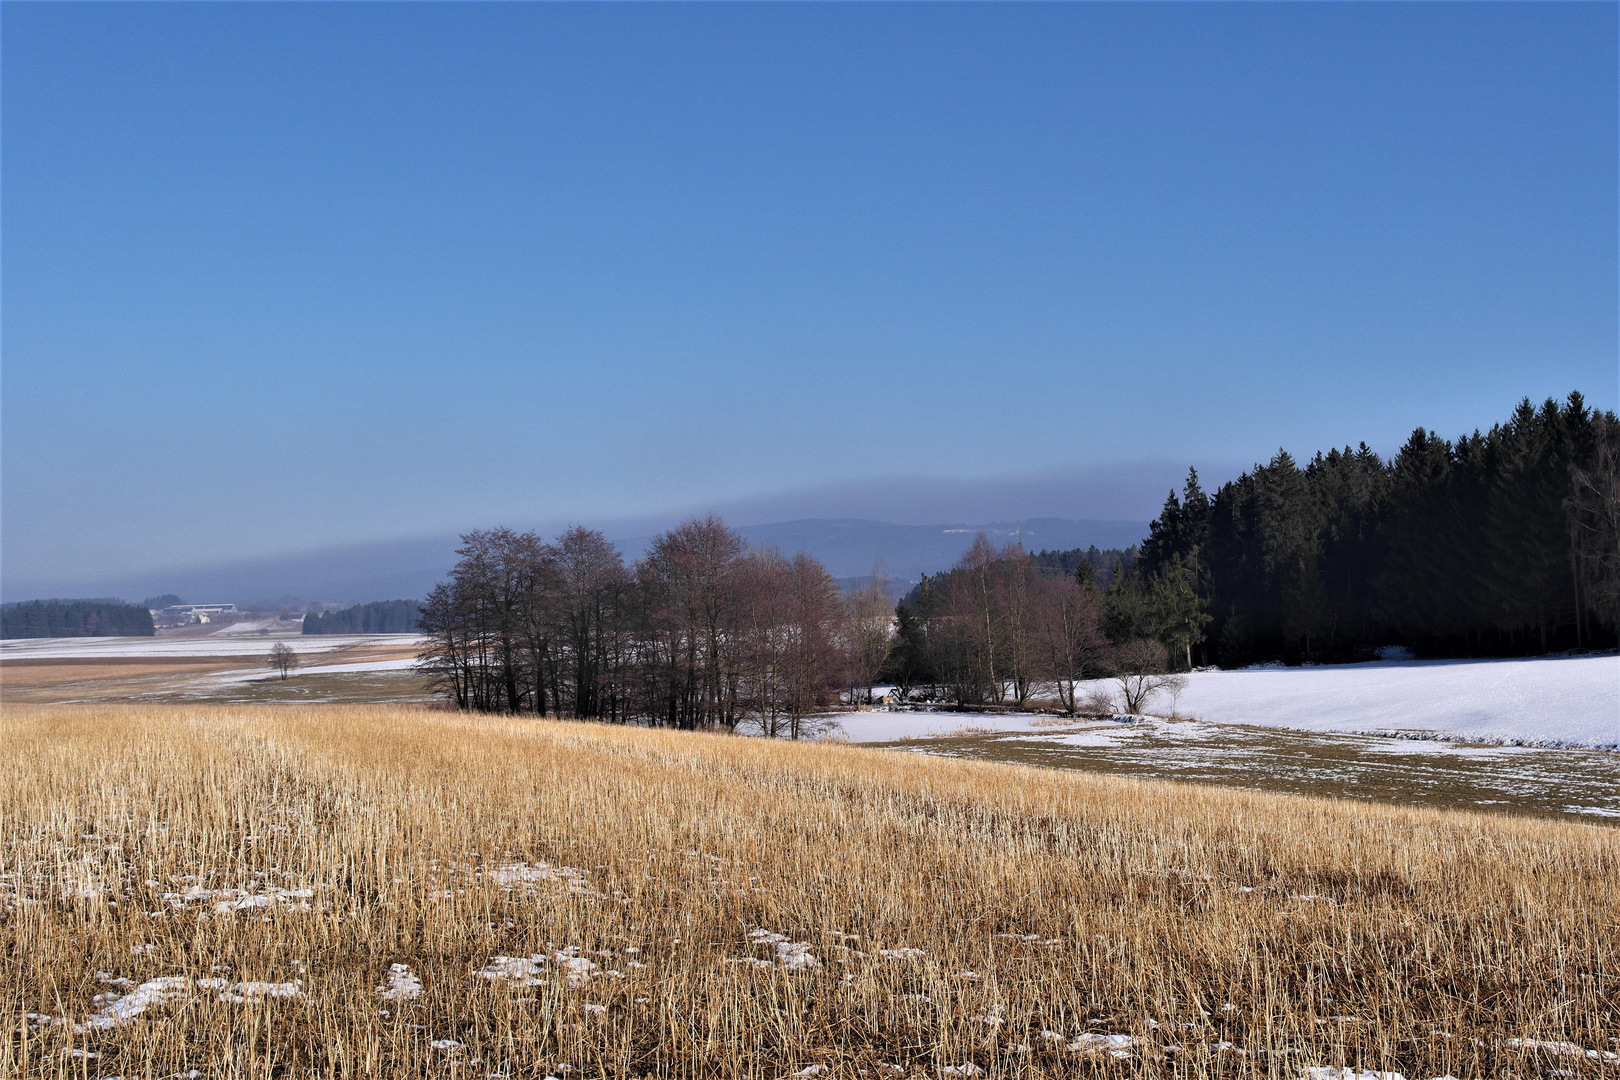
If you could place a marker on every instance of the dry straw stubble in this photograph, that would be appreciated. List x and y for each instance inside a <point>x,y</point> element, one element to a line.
<point>362,891</point>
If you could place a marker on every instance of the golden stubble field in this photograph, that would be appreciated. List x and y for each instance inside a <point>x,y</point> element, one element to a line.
<point>371,891</point>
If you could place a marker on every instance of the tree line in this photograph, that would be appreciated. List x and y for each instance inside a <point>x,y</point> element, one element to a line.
<point>1500,543</point>
<point>1506,542</point>
<point>378,617</point>
<point>701,632</point>
<point>75,618</point>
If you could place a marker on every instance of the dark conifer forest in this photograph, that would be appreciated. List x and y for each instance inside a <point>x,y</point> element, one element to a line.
<point>381,617</point>
<point>75,618</point>
<point>1501,543</point>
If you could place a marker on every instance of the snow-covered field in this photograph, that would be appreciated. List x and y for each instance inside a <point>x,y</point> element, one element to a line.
<point>266,626</point>
<point>223,667</point>
<point>1403,731</point>
<point>222,644</point>
<point>1557,700</point>
<point>255,674</point>
<point>1546,701</point>
<point>1566,781</point>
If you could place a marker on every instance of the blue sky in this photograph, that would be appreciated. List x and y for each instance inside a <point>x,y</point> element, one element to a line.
<point>282,276</point>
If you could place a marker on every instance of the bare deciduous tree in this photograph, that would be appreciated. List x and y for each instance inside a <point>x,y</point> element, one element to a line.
<point>969,616</point>
<point>282,658</point>
<point>871,631</point>
<point>1143,666</point>
<point>816,628</point>
<point>694,609</point>
<point>1069,645</point>
<point>591,584</point>
<point>1022,593</point>
<point>766,585</point>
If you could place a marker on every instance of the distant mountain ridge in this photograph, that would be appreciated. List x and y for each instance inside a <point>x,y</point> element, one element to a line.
<point>387,570</point>
<point>850,546</point>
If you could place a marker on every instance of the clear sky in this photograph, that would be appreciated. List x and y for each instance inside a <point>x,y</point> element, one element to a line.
<point>281,276</point>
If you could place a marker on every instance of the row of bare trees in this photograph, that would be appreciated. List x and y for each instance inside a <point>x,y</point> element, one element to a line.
<point>700,633</point>
<point>703,632</point>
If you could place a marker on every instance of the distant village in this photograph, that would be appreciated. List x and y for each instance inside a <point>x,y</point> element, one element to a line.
<point>178,615</point>
<point>382,617</point>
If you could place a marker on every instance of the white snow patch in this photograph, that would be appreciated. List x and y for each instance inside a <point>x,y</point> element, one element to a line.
<point>1562,1049</point>
<point>248,993</point>
<point>532,875</point>
<point>577,969</point>
<point>406,664</point>
<point>795,955</point>
<point>226,901</point>
<point>1115,1046</point>
<point>792,955</point>
<point>250,627</point>
<point>527,970</point>
<point>515,970</point>
<point>403,985</point>
<point>894,726</point>
<point>148,995</point>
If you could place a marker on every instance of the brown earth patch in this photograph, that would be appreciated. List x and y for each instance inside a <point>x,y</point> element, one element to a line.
<point>25,674</point>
